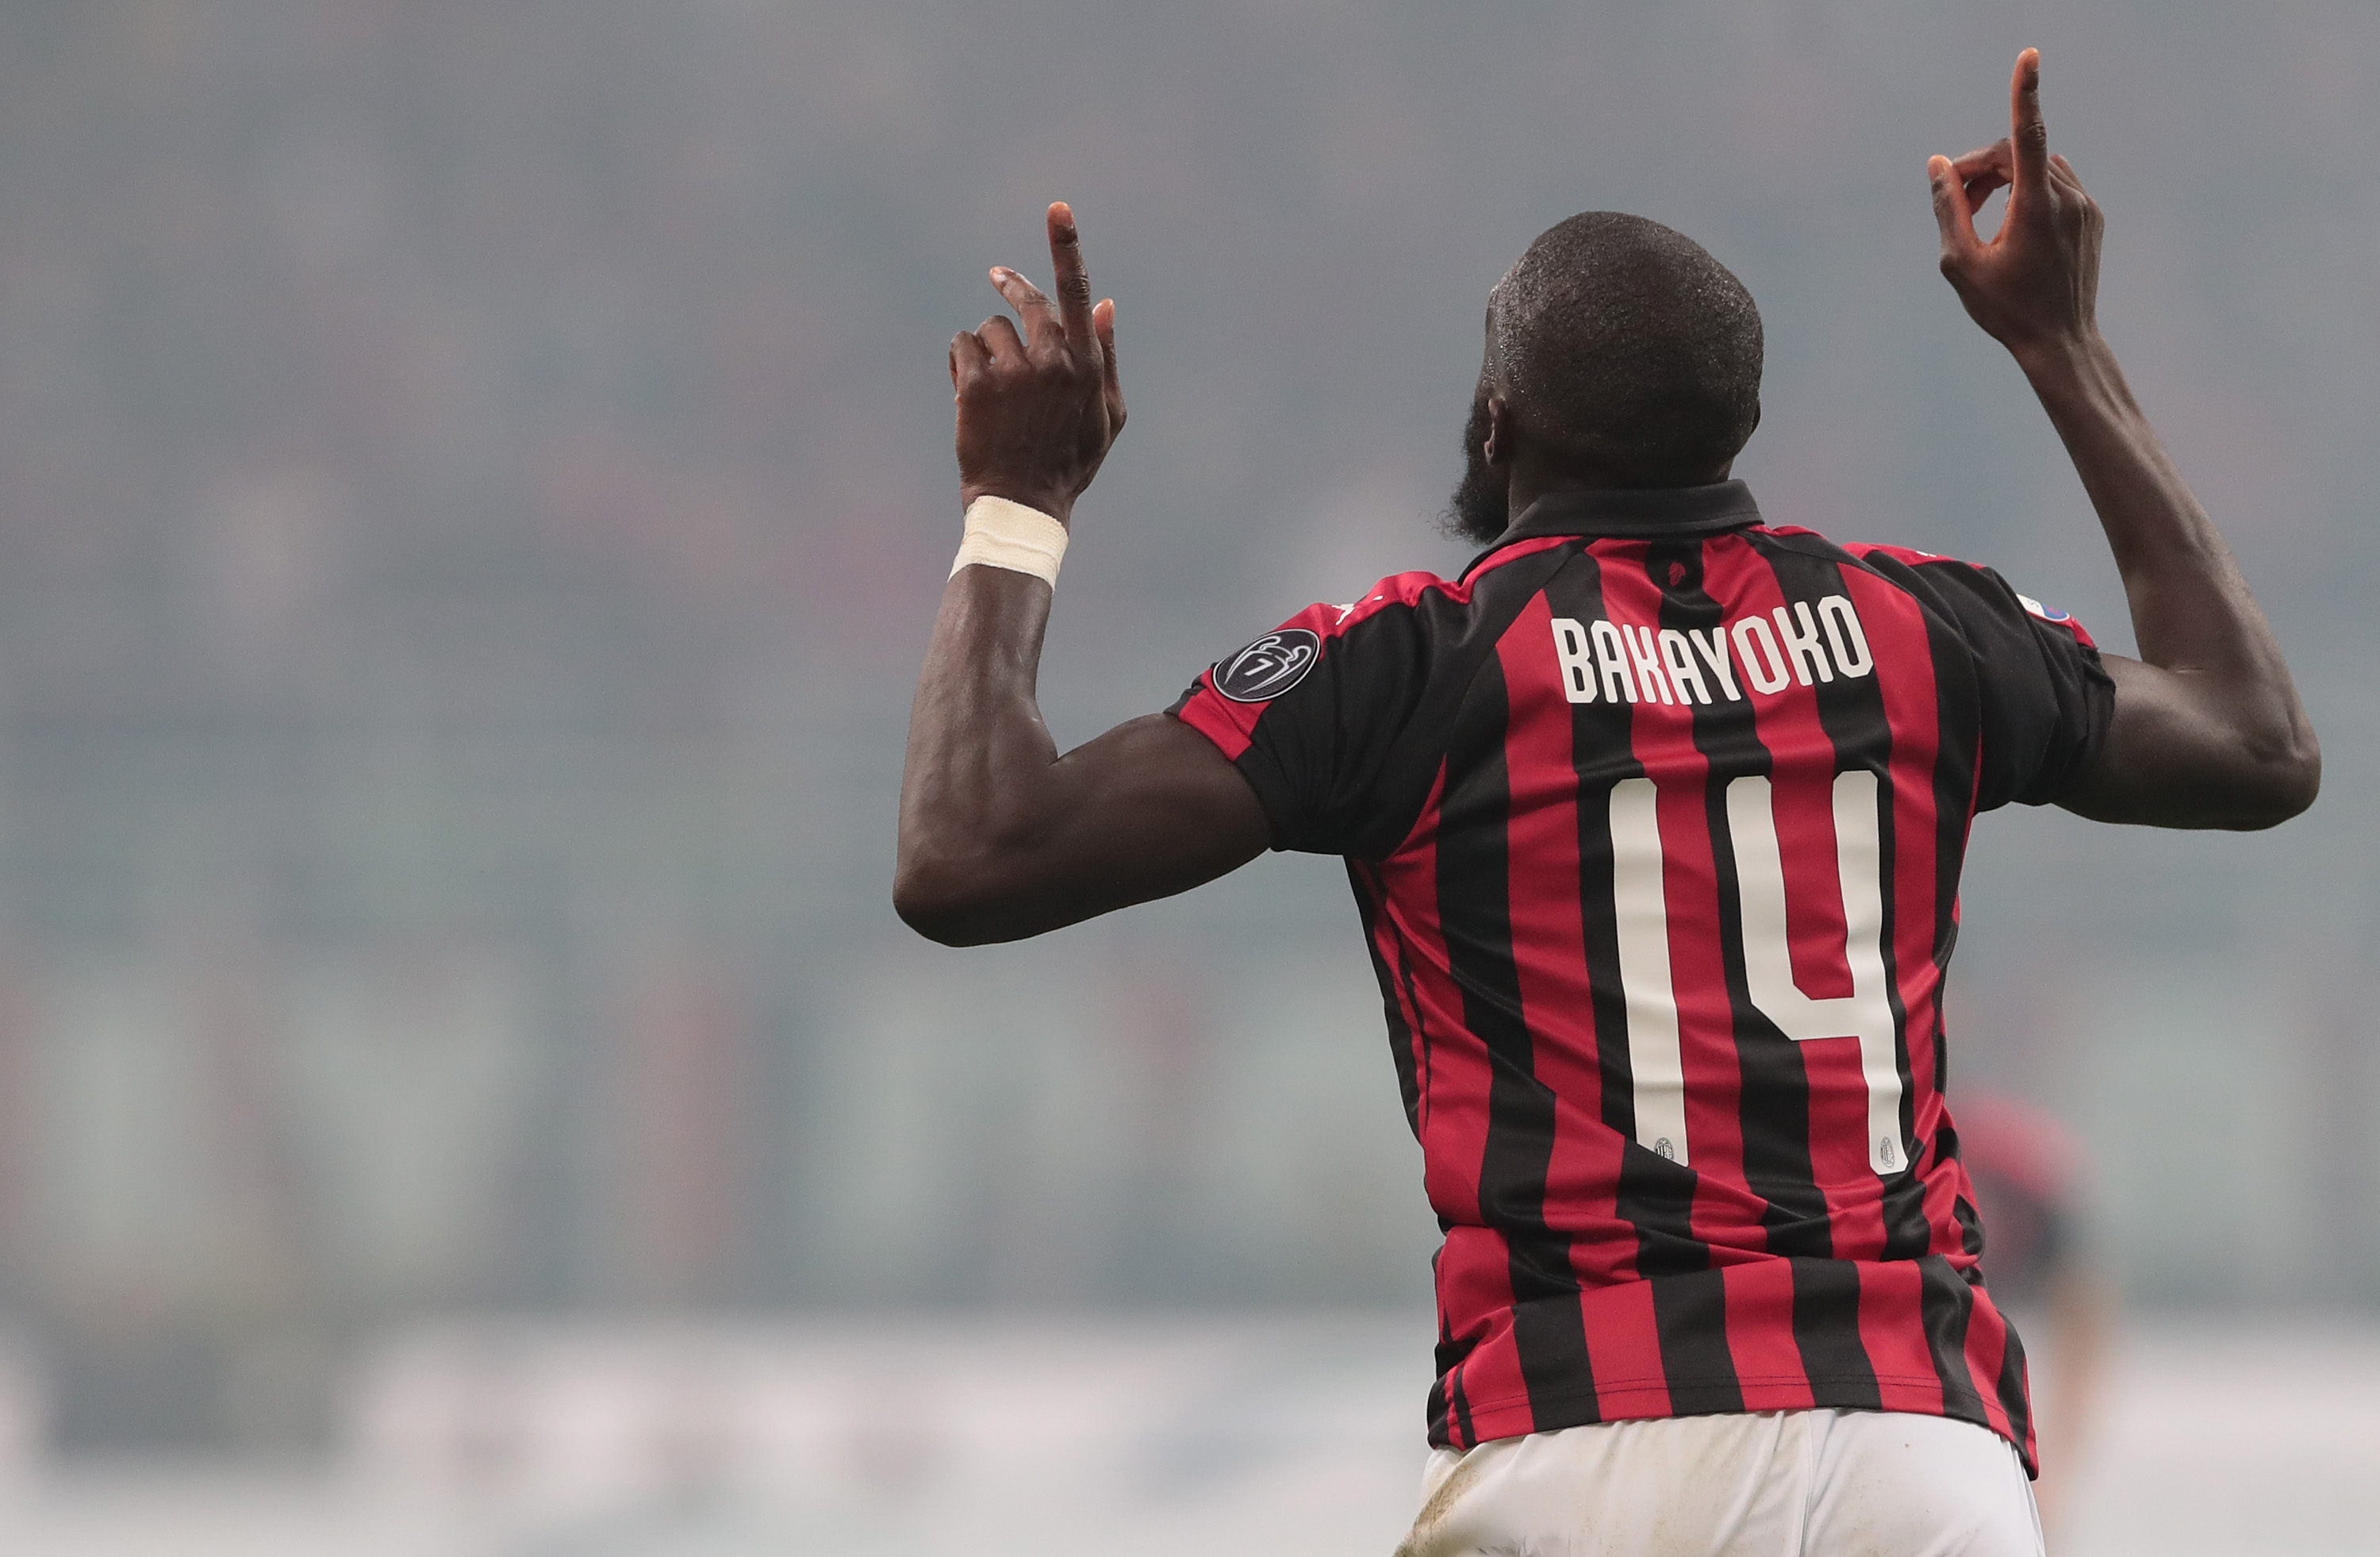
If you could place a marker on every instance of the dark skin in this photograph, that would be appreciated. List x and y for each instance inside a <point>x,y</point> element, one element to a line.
<point>2209,729</point>
<point>1003,837</point>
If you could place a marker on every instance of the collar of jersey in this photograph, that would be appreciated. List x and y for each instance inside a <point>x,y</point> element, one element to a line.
<point>1634,514</point>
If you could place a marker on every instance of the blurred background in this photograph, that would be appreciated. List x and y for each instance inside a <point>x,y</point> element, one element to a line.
<point>474,486</point>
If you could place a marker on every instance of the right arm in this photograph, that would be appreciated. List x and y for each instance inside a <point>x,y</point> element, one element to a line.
<point>2207,731</point>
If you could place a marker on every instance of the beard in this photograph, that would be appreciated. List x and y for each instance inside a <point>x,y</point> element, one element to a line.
<point>1478,511</point>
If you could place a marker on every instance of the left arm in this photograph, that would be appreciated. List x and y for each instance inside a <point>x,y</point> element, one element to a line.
<point>1001,836</point>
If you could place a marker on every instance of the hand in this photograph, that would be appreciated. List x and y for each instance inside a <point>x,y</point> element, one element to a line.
<point>2034,286</point>
<point>1036,413</point>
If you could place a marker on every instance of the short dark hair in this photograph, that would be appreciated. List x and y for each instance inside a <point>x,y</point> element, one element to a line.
<point>1625,343</point>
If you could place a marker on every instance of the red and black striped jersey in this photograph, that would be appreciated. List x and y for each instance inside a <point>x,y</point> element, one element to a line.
<point>1655,818</point>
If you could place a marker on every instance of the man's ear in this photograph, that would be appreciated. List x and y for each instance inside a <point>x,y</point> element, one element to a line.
<point>1503,432</point>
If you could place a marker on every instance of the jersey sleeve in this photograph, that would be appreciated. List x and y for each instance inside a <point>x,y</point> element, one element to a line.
<point>1311,711</point>
<point>2046,699</point>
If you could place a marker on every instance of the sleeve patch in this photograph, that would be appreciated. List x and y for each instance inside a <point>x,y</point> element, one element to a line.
<point>1270,666</point>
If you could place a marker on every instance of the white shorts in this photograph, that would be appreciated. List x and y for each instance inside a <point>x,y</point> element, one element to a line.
<point>1815,1483</point>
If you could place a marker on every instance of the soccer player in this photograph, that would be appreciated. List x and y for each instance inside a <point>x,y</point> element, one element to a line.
<point>1655,816</point>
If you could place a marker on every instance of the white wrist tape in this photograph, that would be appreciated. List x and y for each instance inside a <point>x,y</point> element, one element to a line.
<point>1004,534</point>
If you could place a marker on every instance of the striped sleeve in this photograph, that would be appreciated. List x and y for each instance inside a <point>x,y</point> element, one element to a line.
<point>2046,699</point>
<point>1311,711</point>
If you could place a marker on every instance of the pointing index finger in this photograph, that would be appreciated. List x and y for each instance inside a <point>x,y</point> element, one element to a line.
<point>2029,135</point>
<point>1072,283</point>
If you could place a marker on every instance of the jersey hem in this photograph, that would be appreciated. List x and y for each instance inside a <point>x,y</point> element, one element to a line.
<point>1547,1413</point>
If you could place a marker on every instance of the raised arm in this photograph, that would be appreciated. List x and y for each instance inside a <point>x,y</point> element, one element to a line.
<point>2208,731</point>
<point>1001,836</point>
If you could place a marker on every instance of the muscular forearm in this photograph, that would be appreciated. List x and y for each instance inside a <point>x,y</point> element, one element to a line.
<point>1002,838</point>
<point>2190,608</point>
<point>2217,691</point>
<point>974,780</point>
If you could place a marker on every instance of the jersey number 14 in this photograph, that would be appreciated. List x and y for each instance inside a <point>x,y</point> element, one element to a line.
<point>1865,1014</point>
